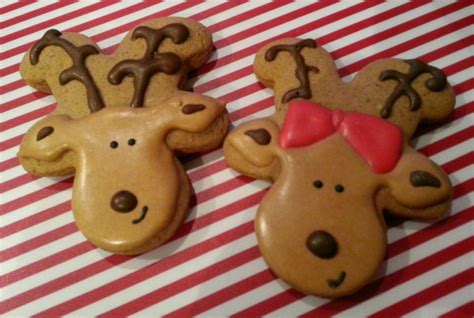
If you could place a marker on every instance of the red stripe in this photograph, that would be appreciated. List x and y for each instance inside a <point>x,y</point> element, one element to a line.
<point>181,285</point>
<point>166,12</point>
<point>402,47</point>
<point>37,242</point>
<point>67,16</point>
<point>465,311</point>
<point>291,295</point>
<point>35,196</point>
<point>232,291</point>
<point>459,163</point>
<point>448,142</point>
<point>9,164</point>
<point>396,278</point>
<point>428,295</point>
<point>35,219</point>
<point>13,6</point>
<point>29,15</point>
<point>128,280</point>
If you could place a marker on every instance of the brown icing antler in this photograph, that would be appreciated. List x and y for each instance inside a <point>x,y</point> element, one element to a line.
<point>302,69</point>
<point>152,62</point>
<point>435,84</point>
<point>77,71</point>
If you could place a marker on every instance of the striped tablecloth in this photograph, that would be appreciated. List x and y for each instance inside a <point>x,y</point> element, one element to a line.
<point>213,266</point>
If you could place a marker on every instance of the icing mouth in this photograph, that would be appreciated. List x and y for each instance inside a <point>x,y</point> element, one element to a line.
<point>142,217</point>
<point>335,283</point>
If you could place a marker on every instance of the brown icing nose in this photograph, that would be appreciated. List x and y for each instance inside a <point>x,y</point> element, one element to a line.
<point>322,244</point>
<point>124,201</point>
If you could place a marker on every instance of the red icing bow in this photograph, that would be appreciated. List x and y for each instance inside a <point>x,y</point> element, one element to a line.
<point>378,141</point>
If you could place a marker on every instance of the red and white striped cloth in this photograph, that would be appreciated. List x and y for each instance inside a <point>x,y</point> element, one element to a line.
<point>213,266</point>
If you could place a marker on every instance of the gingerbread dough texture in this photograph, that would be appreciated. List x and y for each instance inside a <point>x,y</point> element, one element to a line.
<point>119,122</point>
<point>338,155</point>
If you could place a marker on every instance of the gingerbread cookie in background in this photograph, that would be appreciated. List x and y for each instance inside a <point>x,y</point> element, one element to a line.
<point>338,156</point>
<point>119,121</point>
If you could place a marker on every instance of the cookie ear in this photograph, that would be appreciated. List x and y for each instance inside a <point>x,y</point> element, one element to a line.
<point>296,68</point>
<point>252,149</point>
<point>417,188</point>
<point>47,147</point>
<point>405,92</point>
<point>190,121</point>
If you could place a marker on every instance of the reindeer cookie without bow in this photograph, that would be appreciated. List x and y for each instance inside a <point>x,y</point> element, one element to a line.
<point>338,157</point>
<point>119,119</point>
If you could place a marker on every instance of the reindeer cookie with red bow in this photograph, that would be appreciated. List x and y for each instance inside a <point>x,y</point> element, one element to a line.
<point>119,120</point>
<point>338,156</point>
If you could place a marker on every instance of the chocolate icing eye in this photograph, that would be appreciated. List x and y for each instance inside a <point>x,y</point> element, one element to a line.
<point>114,144</point>
<point>131,141</point>
<point>44,132</point>
<point>318,184</point>
<point>339,188</point>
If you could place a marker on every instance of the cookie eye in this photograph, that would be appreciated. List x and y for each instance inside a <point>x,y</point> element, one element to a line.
<point>318,184</point>
<point>339,188</point>
<point>131,141</point>
<point>113,144</point>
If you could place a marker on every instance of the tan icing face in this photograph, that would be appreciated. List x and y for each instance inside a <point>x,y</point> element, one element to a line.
<point>320,227</point>
<point>128,183</point>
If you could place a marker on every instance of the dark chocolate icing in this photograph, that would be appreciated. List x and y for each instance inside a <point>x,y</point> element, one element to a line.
<point>302,69</point>
<point>335,283</point>
<point>420,178</point>
<point>124,201</point>
<point>318,184</point>
<point>322,244</point>
<point>142,217</point>
<point>260,136</point>
<point>131,141</point>
<point>152,62</point>
<point>114,144</point>
<point>44,132</point>
<point>339,188</point>
<point>435,84</point>
<point>192,108</point>
<point>78,71</point>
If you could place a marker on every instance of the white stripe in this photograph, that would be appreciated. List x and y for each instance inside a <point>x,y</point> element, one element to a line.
<point>248,299</point>
<point>415,285</point>
<point>454,152</point>
<point>447,303</point>
<point>169,276</point>
<point>38,19</point>
<point>443,132</point>
<point>36,207</point>
<point>197,292</point>
<point>30,233</point>
<point>7,3</point>
<point>26,9</point>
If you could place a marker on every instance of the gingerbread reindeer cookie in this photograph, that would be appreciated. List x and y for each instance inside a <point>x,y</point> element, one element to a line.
<point>119,120</point>
<point>338,156</point>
